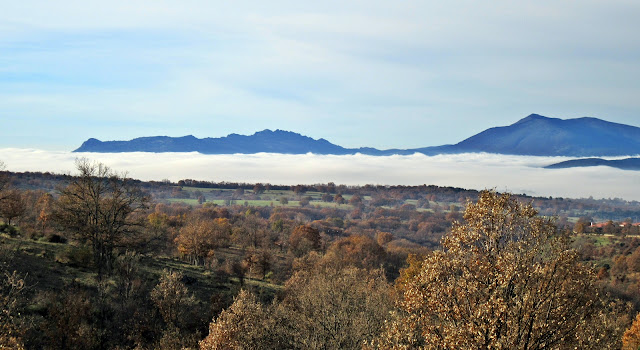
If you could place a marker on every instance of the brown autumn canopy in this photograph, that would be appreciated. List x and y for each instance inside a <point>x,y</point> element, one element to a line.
<point>504,279</point>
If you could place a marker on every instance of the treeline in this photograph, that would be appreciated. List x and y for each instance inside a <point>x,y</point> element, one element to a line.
<point>376,195</point>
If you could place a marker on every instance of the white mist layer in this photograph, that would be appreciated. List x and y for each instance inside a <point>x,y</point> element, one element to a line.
<point>517,174</point>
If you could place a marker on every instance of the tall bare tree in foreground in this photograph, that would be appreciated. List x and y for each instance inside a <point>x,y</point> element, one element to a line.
<point>97,208</point>
<point>503,280</point>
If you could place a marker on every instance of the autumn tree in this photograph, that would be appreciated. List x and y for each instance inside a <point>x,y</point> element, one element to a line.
<point>259,189</point>
<point>241,326</point>
<point>355,200</point>
<point>356,250</point>
<point>198,239</point>
<point>44,205</point>
<point>303,239</point>
<point>12,206</point>
<point>98,207</point>
<point>504,279</point>
<point>631,338</point>
<point>11,289</point>
<point>174,302</point>
<point>298,190</point>
<point>250,231</point>
<point>322,308</point>
<point>383,238</point>
<point>11,203</point>
<point>160,228</point>
<point>258,261</point>
<point>329,308</point>
<point>171,297</point>
<point>609,228</point>
<point>579,227</point>
<point>304,201</point>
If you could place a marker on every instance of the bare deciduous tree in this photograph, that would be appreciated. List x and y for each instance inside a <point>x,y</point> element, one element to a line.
<point>97,208</point>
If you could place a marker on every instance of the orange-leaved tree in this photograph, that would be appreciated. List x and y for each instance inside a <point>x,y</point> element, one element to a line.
<point>304,239</point>
<point>356,250</point>
<point>198,239</point>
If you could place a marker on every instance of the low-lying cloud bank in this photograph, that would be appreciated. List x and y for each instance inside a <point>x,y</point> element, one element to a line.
<point>517,174</point>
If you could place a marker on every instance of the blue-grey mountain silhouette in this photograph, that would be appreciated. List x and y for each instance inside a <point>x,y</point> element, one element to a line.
<point>624,164</point>
<point>534,135</point>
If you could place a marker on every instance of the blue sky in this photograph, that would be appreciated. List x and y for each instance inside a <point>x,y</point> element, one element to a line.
<point>360,73</point>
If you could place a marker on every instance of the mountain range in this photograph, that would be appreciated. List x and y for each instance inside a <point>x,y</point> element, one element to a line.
<point>534,135</point>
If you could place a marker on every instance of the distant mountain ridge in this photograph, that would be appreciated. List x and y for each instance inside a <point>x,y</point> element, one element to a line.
<point>278,141</point>
<point>534,135</point>
<point>624,164</point>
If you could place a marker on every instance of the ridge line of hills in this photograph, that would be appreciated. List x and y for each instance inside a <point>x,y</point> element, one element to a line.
<point>534,135</point>
<point>624,164</point>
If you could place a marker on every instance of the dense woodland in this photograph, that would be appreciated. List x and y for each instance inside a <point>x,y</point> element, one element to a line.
<point>95,260</point>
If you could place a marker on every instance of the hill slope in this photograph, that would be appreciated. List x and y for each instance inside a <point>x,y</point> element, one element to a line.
<point>541,136</point>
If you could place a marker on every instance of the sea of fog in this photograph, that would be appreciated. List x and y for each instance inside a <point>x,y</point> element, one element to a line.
<point>517,174</point>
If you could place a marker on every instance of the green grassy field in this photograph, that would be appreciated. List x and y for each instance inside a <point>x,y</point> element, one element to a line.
<point>601,240</point>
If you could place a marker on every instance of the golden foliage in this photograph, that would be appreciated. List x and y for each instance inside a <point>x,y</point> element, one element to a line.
<point>631,338</point>
<point>409,273</point>
<point>356,250</point>
<point>322,308</point>
<point>198,239</point>
<point>503,280</point>
<point>304,239</point>
<point>327,308</point>
<point>238,327</point>
<point>172,297</point>
<point>383,238</point>
<point>11,286</point>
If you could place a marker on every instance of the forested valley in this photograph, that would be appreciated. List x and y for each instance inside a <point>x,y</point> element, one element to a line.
<point>96,260</point>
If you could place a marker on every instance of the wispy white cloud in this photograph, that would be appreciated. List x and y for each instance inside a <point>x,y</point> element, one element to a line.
<point>414,73</point>
<point>473,171</point>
